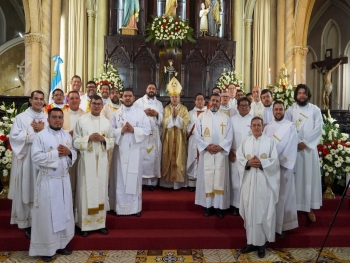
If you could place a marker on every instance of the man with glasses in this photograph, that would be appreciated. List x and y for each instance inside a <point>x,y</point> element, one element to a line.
<point>52,211</point>
<point>259,172</point>
<point>91,90</point>
<point>174,139</point>
<point>241,130</point>
<point>58,101</point>
<point>193,155</point>
<point>93,136</point>
<point>225,106</point>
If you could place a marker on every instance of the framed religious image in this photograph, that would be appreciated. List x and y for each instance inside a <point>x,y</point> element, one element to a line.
<point>329,53</point>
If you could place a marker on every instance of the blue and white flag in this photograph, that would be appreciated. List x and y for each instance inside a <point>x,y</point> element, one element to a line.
<point>56,82</point>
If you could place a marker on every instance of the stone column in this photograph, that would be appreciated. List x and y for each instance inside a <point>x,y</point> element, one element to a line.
<point>273,39</point>
<point>32,68</point>
<point>55,27</point>
<point>64,45</point>
<point>102,30</point>
<point>91,16</point>
<point>238,33</point>
<point>247,53</point>
<point>289,36</point>
<point>281,9</point>
<point>300,54</point>
<point>46,47</point>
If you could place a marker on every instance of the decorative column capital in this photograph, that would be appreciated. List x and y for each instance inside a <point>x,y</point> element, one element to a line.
<point>300,50</point>
<point>91,13</point>
<point>248,22</point>
<point>32,38</point>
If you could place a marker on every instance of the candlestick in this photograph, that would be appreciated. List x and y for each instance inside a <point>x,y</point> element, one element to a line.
<point>269,80</point>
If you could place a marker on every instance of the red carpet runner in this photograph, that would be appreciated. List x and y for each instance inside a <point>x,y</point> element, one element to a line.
<point>171,220</point>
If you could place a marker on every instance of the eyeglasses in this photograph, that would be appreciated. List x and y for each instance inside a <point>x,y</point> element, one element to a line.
<point>56,117</point>
<point>58,95</point>
<point>96,104</point>
<point>199,99</point>
<point>243,106</point>
<point>91,87</point>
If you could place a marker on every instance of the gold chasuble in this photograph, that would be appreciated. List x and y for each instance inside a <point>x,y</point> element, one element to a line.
<point>174,141</point>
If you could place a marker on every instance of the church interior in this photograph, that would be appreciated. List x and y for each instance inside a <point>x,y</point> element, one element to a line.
<point>255,38</point>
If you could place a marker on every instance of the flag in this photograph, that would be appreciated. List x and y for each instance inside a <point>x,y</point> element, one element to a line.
<point>56,82</point>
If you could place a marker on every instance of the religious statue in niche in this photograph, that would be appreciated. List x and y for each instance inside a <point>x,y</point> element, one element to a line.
<point>169,72</point>
<point>203,14</point>
<point>170,7</point>
<point>327,84</point>
<point>131,14</point>
<point>214,19</point>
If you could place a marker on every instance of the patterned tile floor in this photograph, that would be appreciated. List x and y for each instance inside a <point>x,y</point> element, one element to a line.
<point>300,255</point>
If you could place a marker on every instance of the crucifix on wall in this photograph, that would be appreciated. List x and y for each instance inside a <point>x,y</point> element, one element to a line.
<point>326,67</point>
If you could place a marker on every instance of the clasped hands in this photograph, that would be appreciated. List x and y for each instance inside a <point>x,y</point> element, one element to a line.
<point>37,126</point>
<point>213,148</point>
<point>63,150</point>
<point>150,112</point>
<point>127,128</point>
<point>96,137</point>
<point>301,146</point>
<point>174,113</point>
<point>254,162</point>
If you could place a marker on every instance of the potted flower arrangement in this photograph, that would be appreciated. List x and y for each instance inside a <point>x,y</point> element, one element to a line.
<point>6,122</point>
<point>334,153</point>
<point>111,77</point>
<point>285,93</point>
<point>169,29</point>
<point>229,77</point>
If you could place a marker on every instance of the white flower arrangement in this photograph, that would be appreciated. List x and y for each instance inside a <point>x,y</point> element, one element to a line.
<point>170,29</point>
<point>8,119</point>
<point>229,77</point>
<point>334,151</point>
<point>109,76</point>
<point>284,93</point>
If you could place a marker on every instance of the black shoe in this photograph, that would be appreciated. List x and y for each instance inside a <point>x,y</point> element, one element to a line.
<point>47,258</point>
<point>103,231</point>
<point>248,248</point>
<point>192,189</point>
<point>235,211</point>
<point>64,251</point>
<point>261,252</point>
<point>28,232</point>
<point>84,233</point>
<point>138,214</point>
<point>150,187</point>
<point>209,211</point>
<point>219,213</point>
<point>283,235</point>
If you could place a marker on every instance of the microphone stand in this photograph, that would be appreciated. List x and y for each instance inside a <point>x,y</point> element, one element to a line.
<point>10,89</point>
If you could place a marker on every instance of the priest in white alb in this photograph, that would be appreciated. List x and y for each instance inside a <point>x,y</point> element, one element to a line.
<point>225,106</point>
<point>113,103</point>
<point>259,172</point>
<point>24,129</point>
<point>93,137</point>
<point>308,121</point>
<point>91,90</point>
<point>152,147</point>
<point>265,112</point>
<point>214,137</point>
<point>256,104</point>
<point>193,155</point>
<point>241,130</point>
<point>52,211</point>
<point>284,134</point>
<point>131,126</point>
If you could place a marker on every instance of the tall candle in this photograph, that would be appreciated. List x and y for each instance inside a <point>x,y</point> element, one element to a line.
<point>269,80</point>
<point>295,77</point>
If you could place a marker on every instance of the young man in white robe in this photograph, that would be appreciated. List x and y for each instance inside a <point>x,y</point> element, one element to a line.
<point>104,90</point>
<point>214,137</point>
<point>91,90</point>
<point>259,172</point>
<point>232,89</point>
<point>241,130</point>
<point>93,137</point>
<point>52,212</point>
<point>22,179</point>
<point>58,101</point>
<point>71,116</point>
<point>308,121</point>
<point>131,127</point>
<point>152,147</point>
<point>265,112</point>
<point>193,155</point>
<point>256,104</point>
<point>284,134</point>
<point>113,104</point>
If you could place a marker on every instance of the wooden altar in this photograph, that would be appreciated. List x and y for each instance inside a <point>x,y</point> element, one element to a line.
<point>199,65</point>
